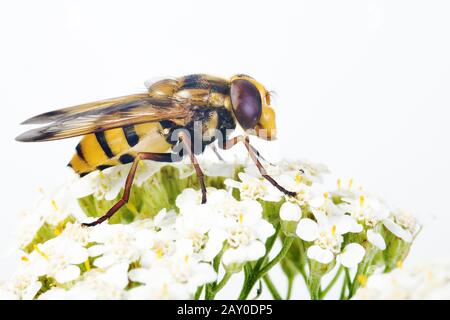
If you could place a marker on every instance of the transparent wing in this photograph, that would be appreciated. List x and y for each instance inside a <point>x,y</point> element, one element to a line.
<point>103,115</point>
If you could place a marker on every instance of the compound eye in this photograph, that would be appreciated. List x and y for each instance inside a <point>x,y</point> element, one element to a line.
<point>246,103</point>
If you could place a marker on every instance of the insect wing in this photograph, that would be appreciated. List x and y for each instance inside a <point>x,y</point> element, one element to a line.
<point>104,115</point>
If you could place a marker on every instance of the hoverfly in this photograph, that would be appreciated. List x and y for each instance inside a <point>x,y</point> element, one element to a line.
<point>143,126</point>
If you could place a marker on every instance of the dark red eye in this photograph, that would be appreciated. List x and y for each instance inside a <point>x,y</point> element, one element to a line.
<point>246,103</point>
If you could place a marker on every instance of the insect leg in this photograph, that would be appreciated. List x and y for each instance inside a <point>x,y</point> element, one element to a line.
<point>159,157</point>
<point>254,154</point>
<point>228,144</point>
<point>216,152</point>
<point>263,171</point>
<point>187,142</point>
<point>258,154</point>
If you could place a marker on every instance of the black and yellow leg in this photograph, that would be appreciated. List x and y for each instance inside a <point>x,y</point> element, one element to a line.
<point>159,157</point>
<point>254,154</point>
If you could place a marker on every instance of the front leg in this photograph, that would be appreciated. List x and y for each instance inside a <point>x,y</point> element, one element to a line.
<point>254,154</point>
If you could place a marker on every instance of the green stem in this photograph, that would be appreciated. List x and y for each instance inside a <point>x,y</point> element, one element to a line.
<point>209,288</point>
<point>363,269</point>
<point>218,258</point>
<point>248,268</point>
<point>198,293</point>
<point>290,285</point>
<point>260,273</point>
<point>273,290</point>
<point>286,246</point>
<point>210,294</point>
<point>347,285</point>
<point>332,283</point>
<point>269,246</point>
<point>314,287</point>
<point>343,289</point>
<point>222,282</point>
<point>302,271</point>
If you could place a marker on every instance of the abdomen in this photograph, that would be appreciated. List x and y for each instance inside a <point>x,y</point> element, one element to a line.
<point>101,150</point>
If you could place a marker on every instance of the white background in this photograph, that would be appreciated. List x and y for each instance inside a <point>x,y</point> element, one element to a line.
<point>362,86</point>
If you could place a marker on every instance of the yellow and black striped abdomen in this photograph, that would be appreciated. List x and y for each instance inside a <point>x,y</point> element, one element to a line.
<point>101,150</point>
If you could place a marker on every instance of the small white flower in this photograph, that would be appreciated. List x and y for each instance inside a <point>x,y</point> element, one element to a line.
<point>366,209</point>
<point>308,229</point>
<point>376,239</point>
<point>104,184</point>
<point>372,212</point>
<point>24,286</point>
<point>75,232</point>
<point>290,212</point>
<point>369,211</point>
<point>247,234</point>
<point>94,285</point>
<point>352,255</point>
<point>216,169</point>
<point>423,281</point>
<point>118,243</point>
<point>164,245</point>
<point>304,192</point>
<point>52,208</point>
<point>58,258</point>
<point>254,188</point>
<point>199,228</point>
<point>311,172</point>
<point>188,198</point>
<point>164,218</point>
<point>174,278</point>
<point>406,220</point>
<point>402,224</point>
<point>327,238</point>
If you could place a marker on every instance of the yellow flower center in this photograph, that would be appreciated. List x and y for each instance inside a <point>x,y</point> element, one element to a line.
<point>350,183</point>
<point>362,279</point>
<point>361,200</point>
<point>54,205</point>
<point>333,230</point>
<point>159,252</point>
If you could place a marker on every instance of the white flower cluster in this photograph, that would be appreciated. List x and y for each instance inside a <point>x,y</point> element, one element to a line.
<point>166,257</point>
<point>424,281</point>
<point>170,245</point>
<point>322,216</point>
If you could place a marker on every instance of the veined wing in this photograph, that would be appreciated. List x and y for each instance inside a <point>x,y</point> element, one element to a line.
<point>56,115</point>
<point>104,115</point>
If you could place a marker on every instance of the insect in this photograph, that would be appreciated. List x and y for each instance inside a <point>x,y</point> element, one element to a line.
<point>175,118</point>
